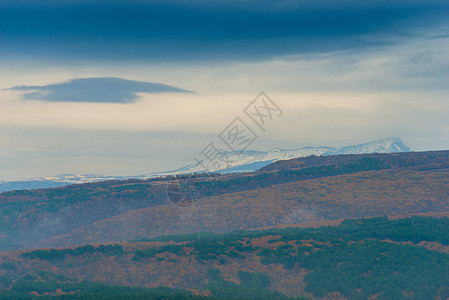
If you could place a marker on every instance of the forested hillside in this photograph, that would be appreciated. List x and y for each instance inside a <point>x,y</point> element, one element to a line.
<point>257,235</point>
<point>372,193</point>
<point>287,192</point>
<point>403,258</point>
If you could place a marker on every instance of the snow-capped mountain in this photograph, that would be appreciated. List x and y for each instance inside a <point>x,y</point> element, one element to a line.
<point>253,160</point>
<point>249,160</point>
<point>388,145</point>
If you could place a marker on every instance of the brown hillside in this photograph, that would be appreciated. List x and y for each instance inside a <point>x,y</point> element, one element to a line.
<point>365,194</point>
<point>287,192</point>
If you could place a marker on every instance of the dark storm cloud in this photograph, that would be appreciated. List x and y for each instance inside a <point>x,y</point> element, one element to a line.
<point>104,90</point>
<point>180,30</point>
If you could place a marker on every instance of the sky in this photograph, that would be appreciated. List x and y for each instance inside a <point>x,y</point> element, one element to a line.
<point>133,87</point>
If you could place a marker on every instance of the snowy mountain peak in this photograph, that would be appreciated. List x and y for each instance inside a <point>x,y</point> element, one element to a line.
<point>387,145</point>
<point>251,160</point>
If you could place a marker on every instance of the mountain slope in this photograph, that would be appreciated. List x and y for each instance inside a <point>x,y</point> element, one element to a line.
<point>365,194</point>
<point>286,192</point>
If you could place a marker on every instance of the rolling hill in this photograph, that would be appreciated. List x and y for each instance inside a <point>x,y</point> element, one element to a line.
<point>355,226</point>
<point>286,192</point>
<point>405,258</point>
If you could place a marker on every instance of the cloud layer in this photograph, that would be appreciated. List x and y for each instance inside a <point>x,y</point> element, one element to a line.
<point>97,90</point>
<point>200,30</point>
<point>344,72</point>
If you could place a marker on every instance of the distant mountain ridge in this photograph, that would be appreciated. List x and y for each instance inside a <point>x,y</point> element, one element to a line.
<point>52,181</point>
<point>251,160</point>
<point>247,161</point>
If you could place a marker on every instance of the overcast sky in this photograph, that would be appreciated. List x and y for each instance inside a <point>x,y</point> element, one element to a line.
<point>125,88</point>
